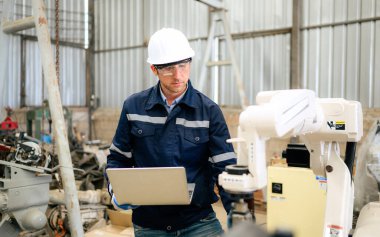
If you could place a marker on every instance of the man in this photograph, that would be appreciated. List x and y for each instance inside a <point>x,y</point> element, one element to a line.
<point>172,124</point>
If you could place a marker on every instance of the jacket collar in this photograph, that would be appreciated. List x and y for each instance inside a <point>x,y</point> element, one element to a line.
<point>155,97</point>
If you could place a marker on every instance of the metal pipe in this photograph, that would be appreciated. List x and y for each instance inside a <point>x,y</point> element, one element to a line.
<point>10,27</point>
<point>55,105</point>
<point>61,42</point>
<point>244,35</point>
<point>358,21</point>
<point>213,3</point>
<point>261,33</point>
<point>89,196</point>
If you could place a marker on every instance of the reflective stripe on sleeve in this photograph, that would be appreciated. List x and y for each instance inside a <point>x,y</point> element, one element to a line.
<point>110,191</point>
<point>126,154</point>
<point>222,157</point>
<point>192,124</point>
<point>146,118</point>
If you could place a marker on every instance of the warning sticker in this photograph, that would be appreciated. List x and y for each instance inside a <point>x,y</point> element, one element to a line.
<point>335,230</point>
<point>322,182</point>
<point>278,198</point>
<point>337,125</point>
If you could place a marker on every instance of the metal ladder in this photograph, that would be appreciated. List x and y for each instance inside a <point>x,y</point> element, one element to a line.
<point>218,15</point>
<point>39,21</point>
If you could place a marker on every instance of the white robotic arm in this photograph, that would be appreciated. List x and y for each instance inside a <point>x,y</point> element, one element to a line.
<point>320,123</point>
<point>277,114</point>
<point>343,122</point>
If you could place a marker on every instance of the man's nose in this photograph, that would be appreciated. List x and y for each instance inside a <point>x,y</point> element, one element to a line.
<point>176,71</point>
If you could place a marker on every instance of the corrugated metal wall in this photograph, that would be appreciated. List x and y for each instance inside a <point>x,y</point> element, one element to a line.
<point>122,31</point>
<point>250,15</point>
<point>71,14</point>
<point>337,61</point>
<point>72,75</point>
<point>10,87</point>
<point>264,65</point>
<point>342,60</point>
<point>73,25</point>
<point>264,61</point>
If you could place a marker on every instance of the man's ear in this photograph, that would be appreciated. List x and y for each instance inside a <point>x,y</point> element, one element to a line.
<point>154,70</point>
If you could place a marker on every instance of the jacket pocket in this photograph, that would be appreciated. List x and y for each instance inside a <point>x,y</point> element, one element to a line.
<point>143,130</point>
<point>144,144</point>
<point>196,136</point>
<point>195,149</point>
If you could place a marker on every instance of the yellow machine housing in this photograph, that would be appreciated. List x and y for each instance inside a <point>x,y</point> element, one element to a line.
<point>296,201</point>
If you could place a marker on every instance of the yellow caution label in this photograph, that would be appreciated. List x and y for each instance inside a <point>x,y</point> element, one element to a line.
<point>337,125</point>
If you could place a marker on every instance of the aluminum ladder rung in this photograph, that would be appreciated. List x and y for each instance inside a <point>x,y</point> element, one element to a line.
<point>218,17</point>
<point>219,63</point>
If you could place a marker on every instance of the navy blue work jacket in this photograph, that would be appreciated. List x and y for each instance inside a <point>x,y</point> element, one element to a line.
<point>192,135</point>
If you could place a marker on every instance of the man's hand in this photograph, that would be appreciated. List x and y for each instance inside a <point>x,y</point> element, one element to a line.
<point>122,207</point>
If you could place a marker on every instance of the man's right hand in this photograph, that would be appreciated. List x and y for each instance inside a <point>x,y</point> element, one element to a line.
<point>121,207</point>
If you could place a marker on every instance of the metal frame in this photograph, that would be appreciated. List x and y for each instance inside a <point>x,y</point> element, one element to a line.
<point>219,15</point>
<point>55,104</point>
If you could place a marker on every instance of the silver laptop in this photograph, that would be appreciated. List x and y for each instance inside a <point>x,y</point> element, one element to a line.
<point>151,186</point>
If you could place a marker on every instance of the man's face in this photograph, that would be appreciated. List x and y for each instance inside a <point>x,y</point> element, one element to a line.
<point>173,79</point>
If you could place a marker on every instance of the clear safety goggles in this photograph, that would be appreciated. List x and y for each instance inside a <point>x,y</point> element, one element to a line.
<point>168,69</point>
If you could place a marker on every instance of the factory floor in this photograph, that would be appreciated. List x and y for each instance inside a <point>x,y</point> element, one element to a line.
<point>120,222</point>
<point>222,215</point>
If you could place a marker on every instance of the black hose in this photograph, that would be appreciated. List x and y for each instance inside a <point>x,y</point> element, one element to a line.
<point>378,127</point>
<point>350,156</point>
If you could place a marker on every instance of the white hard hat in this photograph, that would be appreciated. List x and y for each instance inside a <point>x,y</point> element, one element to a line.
<point>167,46</point>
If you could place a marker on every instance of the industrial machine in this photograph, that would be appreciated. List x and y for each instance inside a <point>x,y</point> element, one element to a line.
<point>24,188</point>
<point>319,123</point>
<point>39,123</point>
<point>8,125</point>
<point>367,183</point>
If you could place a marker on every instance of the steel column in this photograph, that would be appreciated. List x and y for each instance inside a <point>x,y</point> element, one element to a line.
<point>295,60</point>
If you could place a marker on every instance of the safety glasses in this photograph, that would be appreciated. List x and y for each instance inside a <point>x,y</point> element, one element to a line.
<point>168,69</point>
